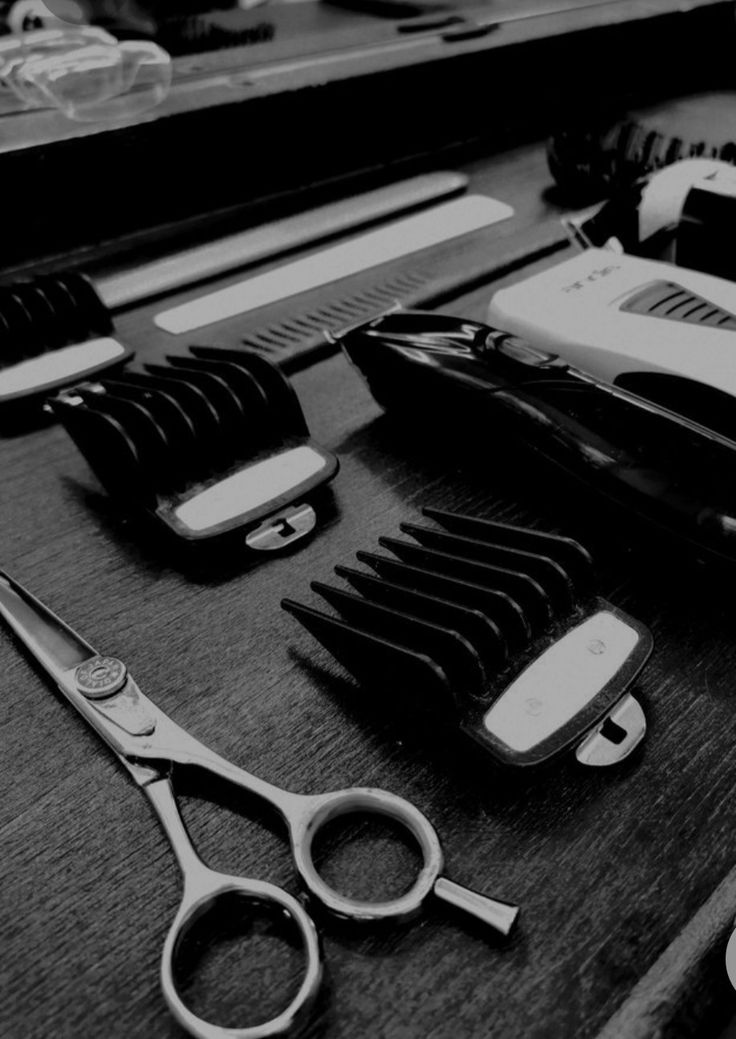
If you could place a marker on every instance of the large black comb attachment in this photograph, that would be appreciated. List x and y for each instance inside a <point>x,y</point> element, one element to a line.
<point>207,443</point>
<point>464,611</point>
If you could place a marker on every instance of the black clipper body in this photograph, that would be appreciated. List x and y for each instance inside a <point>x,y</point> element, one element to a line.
<point>54,331</point>
<point>667,470</point>
<point>497,629</point>
<point>212,446</point>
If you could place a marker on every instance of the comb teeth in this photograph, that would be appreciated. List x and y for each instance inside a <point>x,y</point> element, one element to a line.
<point>197,417</point>
<point>462,607</point>
<point>47,313</point>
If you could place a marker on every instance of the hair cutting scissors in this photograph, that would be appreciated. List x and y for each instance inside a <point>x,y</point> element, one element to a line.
<point>148,744</point>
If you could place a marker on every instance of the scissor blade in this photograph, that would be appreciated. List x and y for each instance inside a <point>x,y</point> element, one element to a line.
<point>54,645</point>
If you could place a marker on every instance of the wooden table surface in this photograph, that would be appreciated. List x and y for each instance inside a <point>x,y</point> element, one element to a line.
<point>608,866</point>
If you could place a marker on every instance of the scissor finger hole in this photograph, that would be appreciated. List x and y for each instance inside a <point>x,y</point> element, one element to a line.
<point>366,857</point>
<point>372,803</point>
<point>239,962</point>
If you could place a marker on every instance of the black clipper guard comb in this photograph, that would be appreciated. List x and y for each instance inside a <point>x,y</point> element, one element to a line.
<point>213,446</point>
<point>54,331</point>
<point>497,627</point>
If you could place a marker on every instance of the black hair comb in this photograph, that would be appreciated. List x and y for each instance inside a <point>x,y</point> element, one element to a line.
<point>498,627</point>
<point>212,446</point>
<point>54,330</point>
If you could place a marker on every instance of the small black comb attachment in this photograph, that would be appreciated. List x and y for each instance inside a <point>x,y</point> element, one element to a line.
<point>55,331</point>
<point>205,442</point>
<point>243,404</point>
<point>185,420</point>
<point>112,454</point>
<point>500,623</point>
<point>570,556</point>
<point>203,402</point>
<point>174,425</point>
<point>283,402</point>
<point>47,313</point>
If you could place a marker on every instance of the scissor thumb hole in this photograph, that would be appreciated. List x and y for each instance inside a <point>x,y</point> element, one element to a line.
<point>241,963</point>
<point>367,855</point>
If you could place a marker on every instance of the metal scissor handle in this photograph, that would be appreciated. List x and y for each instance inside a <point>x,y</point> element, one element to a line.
<point>148,743</point>
<point>203,888</point>
<point>305,815</point>
<point>310,814</point>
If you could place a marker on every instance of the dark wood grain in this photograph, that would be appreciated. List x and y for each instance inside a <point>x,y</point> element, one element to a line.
<point>609,867</point>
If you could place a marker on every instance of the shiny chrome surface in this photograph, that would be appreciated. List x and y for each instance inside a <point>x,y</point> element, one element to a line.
<point>147,743</point>
<point>282,528</point>
<point>628,721</point>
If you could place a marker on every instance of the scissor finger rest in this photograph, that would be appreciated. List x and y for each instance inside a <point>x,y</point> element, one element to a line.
<point>317,812</point>
<point>203,890</point>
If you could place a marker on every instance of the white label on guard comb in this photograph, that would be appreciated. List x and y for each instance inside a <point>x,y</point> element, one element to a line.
<point>397,239</point>
<point>559,683</point>
<point>66,363</point>
<point>250,488</point>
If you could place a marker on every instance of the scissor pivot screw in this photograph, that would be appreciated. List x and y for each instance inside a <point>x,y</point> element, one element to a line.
<point>100,677</point>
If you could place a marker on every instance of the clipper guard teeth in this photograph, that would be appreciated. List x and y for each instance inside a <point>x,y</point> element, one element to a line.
<point>494,626</point>
<point>54,330</point>
<point>208,445</point>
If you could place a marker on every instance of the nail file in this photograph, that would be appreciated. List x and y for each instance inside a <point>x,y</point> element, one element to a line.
<point>399,238</point>
<point>665,332</point>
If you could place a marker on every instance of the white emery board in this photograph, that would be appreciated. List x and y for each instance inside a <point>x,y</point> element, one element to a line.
<point>391,242</point>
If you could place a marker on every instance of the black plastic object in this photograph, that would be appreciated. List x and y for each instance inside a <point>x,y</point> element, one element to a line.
<point>54,330</point>
<point>661,467</point>
<point>489,625</point>
<point>212,445</point>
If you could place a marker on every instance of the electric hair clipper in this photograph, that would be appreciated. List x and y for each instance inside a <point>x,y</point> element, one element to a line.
<point>667,470</point>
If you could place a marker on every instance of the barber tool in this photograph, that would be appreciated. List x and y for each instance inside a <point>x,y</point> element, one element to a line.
<point>257,244</point>
<point>149,746</point>
<point>400,238</point>
<point>54,331</point>
<point>684,214</point>
<point>602,154</point>
<point>693,203</point>
<point>677,476</point>
<point>663,332</point>
<point>212,447</point>
<point>497,629</point>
